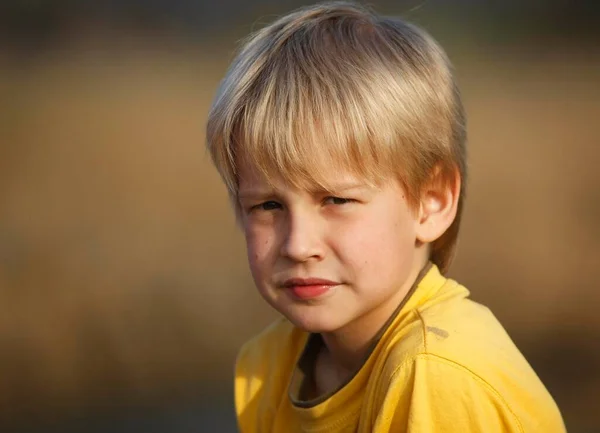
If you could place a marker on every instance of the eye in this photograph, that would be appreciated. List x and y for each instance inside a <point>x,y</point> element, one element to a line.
<point>267,205</point>
<point>338,200</point>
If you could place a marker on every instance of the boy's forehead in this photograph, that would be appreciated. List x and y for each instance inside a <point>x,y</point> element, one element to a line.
<point>252,178</point>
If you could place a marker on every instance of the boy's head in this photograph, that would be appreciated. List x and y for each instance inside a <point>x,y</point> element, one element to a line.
<point>337,88</point>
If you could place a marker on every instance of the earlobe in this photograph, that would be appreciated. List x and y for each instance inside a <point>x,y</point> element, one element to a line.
<point>438,206</point>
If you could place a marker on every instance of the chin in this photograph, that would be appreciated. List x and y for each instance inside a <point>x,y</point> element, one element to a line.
<point>314,323</point>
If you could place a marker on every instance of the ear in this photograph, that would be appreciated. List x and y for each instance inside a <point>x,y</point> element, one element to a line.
<point>438,205</point>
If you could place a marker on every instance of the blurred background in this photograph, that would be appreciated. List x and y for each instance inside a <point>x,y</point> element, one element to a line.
<point>124,290</point>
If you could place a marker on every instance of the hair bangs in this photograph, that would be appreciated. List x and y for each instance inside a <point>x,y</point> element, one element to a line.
<point>301,127</point>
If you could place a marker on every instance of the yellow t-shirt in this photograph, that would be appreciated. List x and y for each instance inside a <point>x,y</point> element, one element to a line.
<point>443,363</point>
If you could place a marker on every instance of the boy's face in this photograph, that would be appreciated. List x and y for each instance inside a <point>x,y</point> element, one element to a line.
<point>324,259</point>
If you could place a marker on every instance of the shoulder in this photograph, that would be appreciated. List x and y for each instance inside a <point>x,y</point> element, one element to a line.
<point>452,326</point>
<point>468,334</point>
<point>456,345</point>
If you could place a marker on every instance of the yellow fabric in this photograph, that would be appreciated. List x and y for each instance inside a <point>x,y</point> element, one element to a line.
<point>444,364</point>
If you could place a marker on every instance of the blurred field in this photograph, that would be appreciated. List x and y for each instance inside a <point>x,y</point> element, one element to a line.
<point>123,280</point>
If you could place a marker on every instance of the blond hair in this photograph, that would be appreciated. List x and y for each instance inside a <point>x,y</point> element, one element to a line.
<point>337,84</point>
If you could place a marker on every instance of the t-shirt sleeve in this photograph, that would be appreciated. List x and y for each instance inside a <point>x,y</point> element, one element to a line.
<point>436,395</point>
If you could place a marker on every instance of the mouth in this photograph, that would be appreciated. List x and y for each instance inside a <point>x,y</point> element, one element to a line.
<point>309,288</point>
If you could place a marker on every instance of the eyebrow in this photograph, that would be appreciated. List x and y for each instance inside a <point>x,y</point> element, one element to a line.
<point>255,193</point>
<point>339,188</point>
<point>342,187</point>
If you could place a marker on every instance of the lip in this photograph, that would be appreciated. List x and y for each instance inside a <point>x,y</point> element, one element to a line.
<point>309,288</point>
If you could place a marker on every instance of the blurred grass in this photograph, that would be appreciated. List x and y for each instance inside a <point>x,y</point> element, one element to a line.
<point>123,278</point>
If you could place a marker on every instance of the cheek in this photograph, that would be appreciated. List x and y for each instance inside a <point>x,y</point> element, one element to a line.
<point>378,246</point>
<point>259,247</point>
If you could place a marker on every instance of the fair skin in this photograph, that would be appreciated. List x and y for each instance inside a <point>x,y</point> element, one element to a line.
<point>365,244</point>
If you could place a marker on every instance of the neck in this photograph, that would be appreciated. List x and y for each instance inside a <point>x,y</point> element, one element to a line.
<point>347,347</point>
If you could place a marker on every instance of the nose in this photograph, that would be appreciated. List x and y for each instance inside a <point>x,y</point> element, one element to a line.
<point>302,240</point>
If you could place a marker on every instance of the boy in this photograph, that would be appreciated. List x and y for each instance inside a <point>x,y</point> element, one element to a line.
<point>341,138</point>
